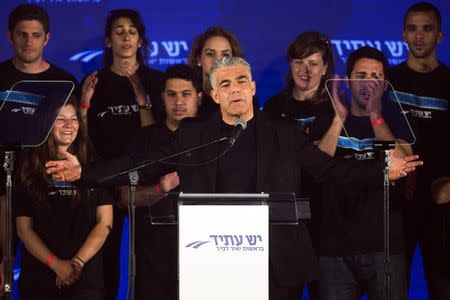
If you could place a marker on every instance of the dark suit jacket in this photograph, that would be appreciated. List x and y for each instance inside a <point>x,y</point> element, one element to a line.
<point>282,150</point>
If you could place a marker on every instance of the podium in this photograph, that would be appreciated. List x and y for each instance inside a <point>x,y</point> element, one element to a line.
<point>223,241</point>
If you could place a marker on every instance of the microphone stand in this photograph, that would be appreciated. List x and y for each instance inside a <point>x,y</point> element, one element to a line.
<point>8,255</point>
<point>384,148</point>
<point>148,163</point>
<point>133,177</point>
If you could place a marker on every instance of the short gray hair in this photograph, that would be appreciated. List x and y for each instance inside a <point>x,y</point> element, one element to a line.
<point>227,61</point>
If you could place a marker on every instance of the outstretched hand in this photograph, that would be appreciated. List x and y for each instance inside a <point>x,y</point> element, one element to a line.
<point>400,167</point>
<point>68,169</point>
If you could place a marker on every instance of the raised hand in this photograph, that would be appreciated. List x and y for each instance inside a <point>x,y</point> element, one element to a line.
<point>88,88</point>
<point>138,88</point>
<point>376,90</point>
<point>338,99</point>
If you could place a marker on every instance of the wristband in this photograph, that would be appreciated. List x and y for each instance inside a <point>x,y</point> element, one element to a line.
<point>4,259</point>
<point>378,121</point>
<point>78,258</point>
<point>49,259</point>
<point>157,188</point>
<point>85,105</point>
<point>144,107</point>
<point>147,104</point>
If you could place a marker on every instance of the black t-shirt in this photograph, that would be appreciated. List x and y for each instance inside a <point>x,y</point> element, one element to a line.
<point>10,76</point>
<point>357,139</point>
<point>353,222</point>
<point>236,170</point>
<point>114,113</point>
<point>307,113</point>
<point>425,98</point>
<point>63,222</point>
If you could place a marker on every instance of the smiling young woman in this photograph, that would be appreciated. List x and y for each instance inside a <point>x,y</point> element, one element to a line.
<point>62,226</point>
<point>304,98</point>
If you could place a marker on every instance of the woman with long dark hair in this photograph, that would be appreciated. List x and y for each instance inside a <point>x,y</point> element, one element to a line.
<point>120,98</point>
<point>125,94</point>
<point>62,227</point>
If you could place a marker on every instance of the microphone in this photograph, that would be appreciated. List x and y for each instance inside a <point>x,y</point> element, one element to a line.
<point>240,126</point>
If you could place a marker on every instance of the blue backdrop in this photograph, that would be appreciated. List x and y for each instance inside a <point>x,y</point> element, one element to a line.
<point>264,28</point>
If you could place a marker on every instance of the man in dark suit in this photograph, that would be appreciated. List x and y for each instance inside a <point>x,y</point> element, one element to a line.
<point>267,157</point>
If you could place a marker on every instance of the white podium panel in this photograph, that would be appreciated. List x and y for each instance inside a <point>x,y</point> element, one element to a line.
<point>223,252</point>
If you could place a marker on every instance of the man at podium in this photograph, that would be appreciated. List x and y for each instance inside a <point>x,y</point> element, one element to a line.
<point>266,157</point>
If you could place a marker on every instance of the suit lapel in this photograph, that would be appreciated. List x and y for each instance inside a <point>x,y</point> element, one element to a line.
<point>265,138</point>
<point>211,133</point>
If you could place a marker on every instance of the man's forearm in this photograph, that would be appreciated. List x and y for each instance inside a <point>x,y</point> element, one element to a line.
<point>328,143</point>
